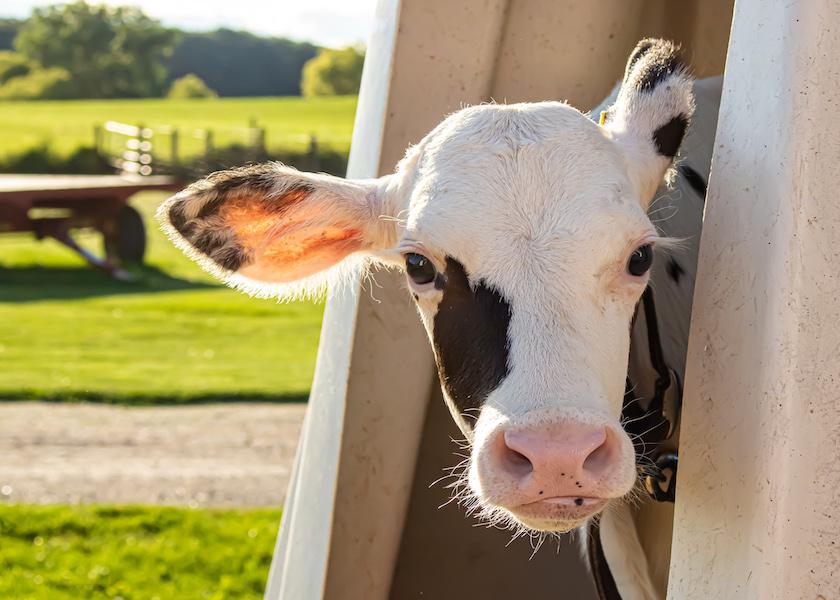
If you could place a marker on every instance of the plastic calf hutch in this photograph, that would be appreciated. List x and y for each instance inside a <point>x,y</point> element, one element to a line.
<point>759,482</point>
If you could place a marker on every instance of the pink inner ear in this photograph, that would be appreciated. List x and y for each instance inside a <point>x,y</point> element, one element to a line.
<point>290,239</point>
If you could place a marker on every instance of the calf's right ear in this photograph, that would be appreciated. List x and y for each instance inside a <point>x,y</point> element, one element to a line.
<point>274,231</point>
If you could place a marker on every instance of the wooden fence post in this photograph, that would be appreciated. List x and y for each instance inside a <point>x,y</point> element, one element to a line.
<point>208,144</point>
<point>173,148</point>
<point>262,150</point>
<point>312,154</point>
<point>97,138</point>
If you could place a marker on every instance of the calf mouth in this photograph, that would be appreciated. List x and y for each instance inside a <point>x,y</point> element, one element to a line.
<point>558,514</point>
<point>549,515</point>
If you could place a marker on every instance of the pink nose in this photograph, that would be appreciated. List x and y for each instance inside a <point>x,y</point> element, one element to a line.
<point>562,460</point>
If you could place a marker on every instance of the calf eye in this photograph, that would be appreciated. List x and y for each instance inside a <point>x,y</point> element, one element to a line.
<point>419,268</point>
<point>640,261</point>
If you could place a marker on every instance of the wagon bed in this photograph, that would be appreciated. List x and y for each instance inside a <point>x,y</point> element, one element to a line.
<point>54,205</point>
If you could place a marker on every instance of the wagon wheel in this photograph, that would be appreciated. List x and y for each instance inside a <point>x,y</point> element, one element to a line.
<point>130,238</point>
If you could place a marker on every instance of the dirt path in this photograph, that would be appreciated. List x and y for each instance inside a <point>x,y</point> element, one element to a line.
<point>208,455</point>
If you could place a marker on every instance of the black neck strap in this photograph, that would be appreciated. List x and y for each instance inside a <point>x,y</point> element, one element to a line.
<point>653,422</point>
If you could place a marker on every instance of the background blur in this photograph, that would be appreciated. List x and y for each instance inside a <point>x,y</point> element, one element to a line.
<point>149,416</point>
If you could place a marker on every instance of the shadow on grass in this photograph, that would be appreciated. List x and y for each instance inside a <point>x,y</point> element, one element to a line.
<point>31,284</point>
<point>73,396</point>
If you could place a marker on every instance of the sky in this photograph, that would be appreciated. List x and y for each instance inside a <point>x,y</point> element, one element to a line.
<point>324,22</point>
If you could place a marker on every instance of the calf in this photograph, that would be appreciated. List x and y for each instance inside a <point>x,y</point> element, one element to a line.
<point>526,238</point>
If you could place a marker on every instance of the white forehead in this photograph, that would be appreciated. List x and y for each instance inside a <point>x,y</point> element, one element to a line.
<point>504,187</point>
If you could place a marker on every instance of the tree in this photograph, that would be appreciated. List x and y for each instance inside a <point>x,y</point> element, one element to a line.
<point>53,83</point>
<point>238,63</point>
<point>12,65</point>
<point>333,72</point>
<point>22,80</point>
<point>112,52</point>
<point>190,86</point>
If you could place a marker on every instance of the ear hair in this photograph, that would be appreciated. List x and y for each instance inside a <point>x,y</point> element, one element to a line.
<point>652,111</point>
<point>651,63</point>
<point>256,227</point>
<point>313,287</point>
<point>661,60</point>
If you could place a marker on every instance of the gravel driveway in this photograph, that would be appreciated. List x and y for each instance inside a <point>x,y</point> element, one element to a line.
<point>206,455</point>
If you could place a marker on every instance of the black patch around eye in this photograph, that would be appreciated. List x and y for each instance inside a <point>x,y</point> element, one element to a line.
<point>470,340</point>
<point>694,179</point>
<point>669,137</point>
<point>440,282</point>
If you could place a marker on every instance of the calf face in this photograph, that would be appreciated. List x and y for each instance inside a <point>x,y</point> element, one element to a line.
<point>523,233</point>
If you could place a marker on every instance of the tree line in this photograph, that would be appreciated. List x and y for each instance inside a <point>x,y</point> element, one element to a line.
<point>81,50</point>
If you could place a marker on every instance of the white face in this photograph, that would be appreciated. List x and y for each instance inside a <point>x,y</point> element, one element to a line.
<point>524,236</point>
<point>529,217</point>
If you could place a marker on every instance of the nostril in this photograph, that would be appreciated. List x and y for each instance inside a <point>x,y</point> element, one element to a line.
<point>517,459</point>
<point>514,460</point>
<point>602,455</point>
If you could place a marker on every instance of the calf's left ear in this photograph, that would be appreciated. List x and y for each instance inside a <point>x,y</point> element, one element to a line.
<point>275,231</point>
<point>651,113</point>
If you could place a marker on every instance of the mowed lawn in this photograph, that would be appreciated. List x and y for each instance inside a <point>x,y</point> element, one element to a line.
<point>70,333</point>
<point>134,552</point>
<point>63,126</point>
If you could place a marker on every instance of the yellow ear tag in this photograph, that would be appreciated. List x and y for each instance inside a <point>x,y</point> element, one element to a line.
<point>603,118</point>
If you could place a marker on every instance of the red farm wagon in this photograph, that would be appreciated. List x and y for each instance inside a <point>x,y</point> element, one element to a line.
<point>55,205</point>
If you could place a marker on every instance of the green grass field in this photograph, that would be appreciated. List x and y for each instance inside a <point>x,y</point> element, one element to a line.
<point>70,333</point>
<point>134,552</point>
<point>66,125</point>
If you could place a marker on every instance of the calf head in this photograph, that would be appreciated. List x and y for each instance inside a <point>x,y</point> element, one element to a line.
<point>523,233</point>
